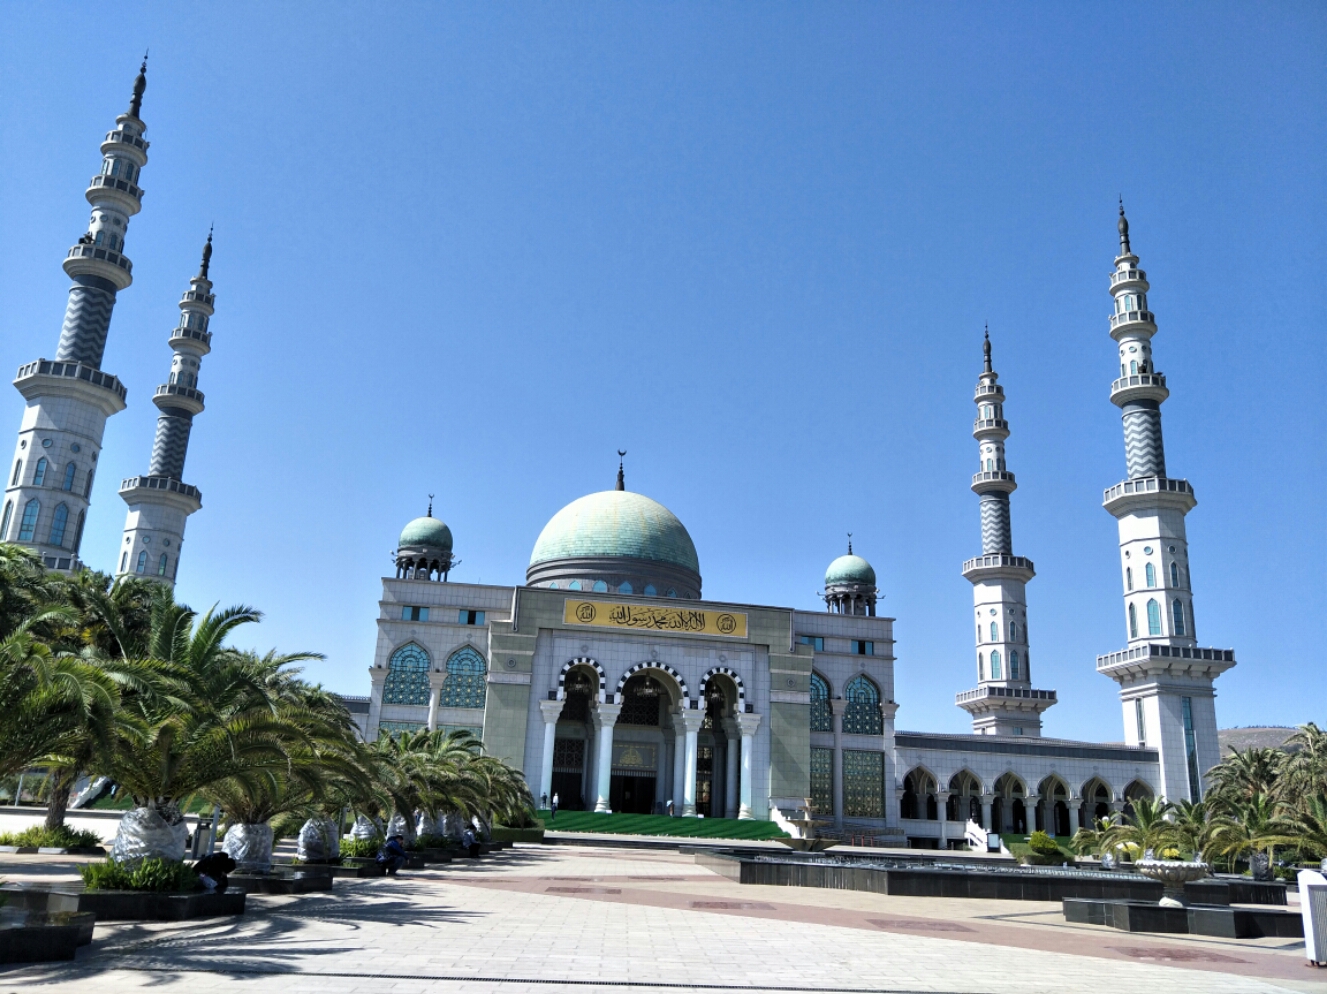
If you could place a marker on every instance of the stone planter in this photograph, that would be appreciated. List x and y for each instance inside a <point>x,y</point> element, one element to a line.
<point>300,880</point>
<point>149,906</point>
<point>42,936</point>
<point>1173,875</point>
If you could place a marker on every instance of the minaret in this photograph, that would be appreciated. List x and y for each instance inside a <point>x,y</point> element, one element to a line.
<point>160,502</point>
<point>69,398</point>
<point>1004,701</point>
<point>1165,679</point>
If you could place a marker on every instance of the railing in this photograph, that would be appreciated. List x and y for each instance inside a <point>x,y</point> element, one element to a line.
<point>989,390</point>
<point>1021,693</point>
<point>97,252</point>
<point>1138,380</point>
<point>982,423</point>
<point>1147,485</point>
<point>160,483</point>
<point>1153,651</point>
<point>996,560</point>
<point>199,297</point>
<point>992,476</point>
<point>115,183</point>
<point>200,336</point>
<point>1127,276</point>
<point>124,138</point>
<point>73,370</point>
<point>178,390</point>
<point>1132,317</point>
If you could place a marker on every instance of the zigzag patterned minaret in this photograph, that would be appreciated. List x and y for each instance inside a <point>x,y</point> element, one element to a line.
<point>1004,701</point>
<point>1165,679</point>
<point>160,503</point>
<point>69,398</point>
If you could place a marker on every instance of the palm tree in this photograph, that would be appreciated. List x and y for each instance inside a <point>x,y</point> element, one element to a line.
<point>1304,768</point>
<point>1252,830</point>
<point>1146,830</point>
<point>1304,827</point>
<point>1193,826</point>
<point>1092,841</point>
<point>1243,775</point>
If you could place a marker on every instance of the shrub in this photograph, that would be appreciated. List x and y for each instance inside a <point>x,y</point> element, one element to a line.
<point>431,841</point>
<point>63,837</point>
<point>501,833</point>
<point>1043,844</point>
<point>160,875</point>
<point>360,847</point>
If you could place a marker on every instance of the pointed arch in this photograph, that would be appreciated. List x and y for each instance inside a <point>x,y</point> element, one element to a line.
<point>1133,622</point>
<point>821,718</point>
<point>601,695</point>
<point>732,675</point>
<point>861,713</point>
<point>1153,617</point>
<point>4,524</point>
<point>467,677</point>
<point>70,470</point>
<point>59,522</point>
<point>686,702</point>
<point>407,675</point>
<point>39,474</point>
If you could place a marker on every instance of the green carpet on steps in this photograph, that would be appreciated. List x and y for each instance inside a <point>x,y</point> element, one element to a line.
<point>695,828</point>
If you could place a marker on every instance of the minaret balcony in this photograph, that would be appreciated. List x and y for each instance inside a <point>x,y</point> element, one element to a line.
<point>97,260</point>
<point>178,395</point>
<point>203,338</point>
<point>1143,322</point>
<point>1153,660</point>
<point>198,297</point>
<point>1131,275</point>
<point>989,392</point>
<point>44,378</point>
<point>1009,693</point>
<point>998,565</point>
<point>126,196</point>
<point>138,488</point>
<point>1139,386</point>
<point>990,428</point>
<point>994,480</point>
<point>1149,492</point>
<point>120,137</point>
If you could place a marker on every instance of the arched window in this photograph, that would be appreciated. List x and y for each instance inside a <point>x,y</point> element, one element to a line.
<point>995,631</point>
<point>981,667</point>
<point>1013,631</point>
<point>600,587</point>
<point>58,521</point>
<point>407,676</point>
<point>4,525</point>
<point>78,532</point>
<point>142,562</point>
<point>1013,664</point>
<point>553,584</point>
<point>626,588</point>
<point>1133,622</point>
<point>87,487</point>
<point>1151,573</point>
<point>821,719</point>
<point>1133,368</point>
<point>27,527</point>
<point>862,714</point>
<point>465,680</point>
<point>1128,578</point>
<point>18,469</point>
<point>979,633</point>
<point>1153,618</point>
<point>990,465</point>
<point>124,561</point>
<point>672,592</point>
<point>995,664</point>
<point>39,474</point>
<point>574,585</point>
<point>161,565</point>
<point>1177,609</point>
<point>68,484</point>
<point>649,590</point>
<point>1174,574</point>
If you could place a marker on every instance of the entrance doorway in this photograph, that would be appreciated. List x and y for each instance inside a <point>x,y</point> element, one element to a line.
<point>631,794</point>
<point>569,773</point>
<point>705,781</point>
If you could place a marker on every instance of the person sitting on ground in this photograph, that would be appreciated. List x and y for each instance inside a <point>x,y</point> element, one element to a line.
<point>213,871</point>
<point>470,843</point>
<point>392,855</point>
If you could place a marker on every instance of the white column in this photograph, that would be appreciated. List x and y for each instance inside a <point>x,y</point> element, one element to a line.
<point>691,720</point>
<point>679,760</point>
<point>377,679</point>
<point>836,716</point>
<point>435,688</point>
<point>942,815</point>
<point>551,710</point>
<point>1030,803</point>
<point>605,717</point>
<point>986,800</point>
<point>732,753</point>
<point>749,723</point>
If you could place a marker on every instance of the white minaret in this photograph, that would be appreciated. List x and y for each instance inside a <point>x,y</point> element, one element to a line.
<point>1165,678</point>
<point>160,502</point>
<point>1004,701</point>
<point>49,485</point>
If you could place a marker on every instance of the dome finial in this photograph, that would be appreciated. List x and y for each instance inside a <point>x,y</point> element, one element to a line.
<point>1124,230</point>
<point>430,514</point>
<point>621,477</point>
<point>850,543</point>
<point>140,85</point>
<point>986,348</point>
<point>207,255</point>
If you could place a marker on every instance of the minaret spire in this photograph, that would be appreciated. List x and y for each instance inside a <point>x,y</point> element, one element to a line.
<point>160,502</point>
<point>621,477</point>
<point>1165,679</point>
<point>70,398</point>
<point>1004,702</point>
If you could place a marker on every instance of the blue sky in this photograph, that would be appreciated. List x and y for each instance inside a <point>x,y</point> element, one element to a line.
<point>473,249</point>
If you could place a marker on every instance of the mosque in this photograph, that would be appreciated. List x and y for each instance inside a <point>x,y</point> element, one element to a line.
<point>609,678</point>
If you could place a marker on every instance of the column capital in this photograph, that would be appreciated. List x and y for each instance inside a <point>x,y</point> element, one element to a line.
<point>836,709</point>
<point>691,720</point>
<point>551,710</point>
<point>378,675</point>
<point>605,715</point>
<point>436,680</point>
<point>748,723</point>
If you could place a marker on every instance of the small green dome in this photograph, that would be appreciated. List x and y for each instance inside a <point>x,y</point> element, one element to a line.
<point>430,532</point>
<point>616,523</point>
<point>850,569</point>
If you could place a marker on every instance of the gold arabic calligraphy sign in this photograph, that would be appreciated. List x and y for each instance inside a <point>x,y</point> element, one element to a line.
<point>644,617</point>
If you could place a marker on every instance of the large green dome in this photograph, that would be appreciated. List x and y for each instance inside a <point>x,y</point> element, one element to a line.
<point>429,532</point>
<point>616,523</point>
<point>850,569</point>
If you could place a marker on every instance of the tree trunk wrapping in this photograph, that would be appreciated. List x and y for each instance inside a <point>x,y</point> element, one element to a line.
<point>156,831</point>
<point>250,846</point>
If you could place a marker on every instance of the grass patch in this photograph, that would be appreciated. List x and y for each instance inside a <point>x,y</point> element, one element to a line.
<point>63,837</point>
<point>690,828</point>
<point>160,875</point>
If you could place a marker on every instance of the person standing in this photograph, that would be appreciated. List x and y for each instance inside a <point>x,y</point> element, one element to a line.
<point>554,816</point>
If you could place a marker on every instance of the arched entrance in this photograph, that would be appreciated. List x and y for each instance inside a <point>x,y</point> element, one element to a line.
<point>717,753</point>
<point>638,745</point>
<point>570,773</point>
<point>1008,813</point>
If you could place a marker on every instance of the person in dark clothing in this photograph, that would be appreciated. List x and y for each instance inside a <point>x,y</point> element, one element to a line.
<point>471,844</point>
<point>214,869</point>
<point>392,855</point>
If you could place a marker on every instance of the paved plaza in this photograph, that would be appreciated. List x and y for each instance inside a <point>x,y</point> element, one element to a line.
<point>551,919</point>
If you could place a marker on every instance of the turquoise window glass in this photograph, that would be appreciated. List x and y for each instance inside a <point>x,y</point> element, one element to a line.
<point>1174,575</point>
<point>28,524</point>
<point>4,525</point>
<point>1133,622</point>
<point>821,720</point>
<point>68,484</point>
<point>995,664</point>
<point>981,667</point>
<point>650,591</point>
<point>1153,618</point>
<point>407,676</point>
<point>600,587</point>
<point>861,716</point>
<point>574,585</point>
<point>466,673</point>
<point>1013,664</point>
<point>1151,572</point>
<point>1177,610</point>
<point>161,565</point>
<point>995,632</point>
<point>58,522</point>
<point>39,474</point>
<point>626,588</point>
<point>142,561</point>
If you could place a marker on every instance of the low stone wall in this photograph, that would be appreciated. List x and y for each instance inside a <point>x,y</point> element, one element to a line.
<point>104,823</point>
